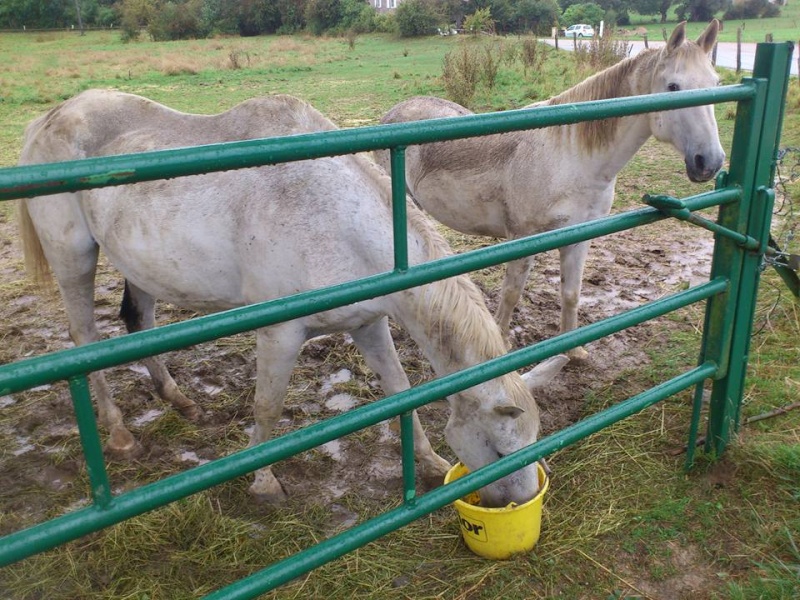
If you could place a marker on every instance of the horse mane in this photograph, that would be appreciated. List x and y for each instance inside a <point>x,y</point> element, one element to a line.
<point>453,310</point>
<point>613,82</point>
<point>457,311</point>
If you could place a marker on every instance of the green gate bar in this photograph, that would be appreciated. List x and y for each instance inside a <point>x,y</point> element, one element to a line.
<point>38,538</point>
<point>397,160</point>
<point>359,535</point>
<point>107,353</point>
<point>90,440</point>
<point>70,176</point>
<point>744,197</point>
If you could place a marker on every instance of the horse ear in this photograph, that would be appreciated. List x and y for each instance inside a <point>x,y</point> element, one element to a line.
<point>708,38</point>
<point>677,38</point>
<point>542,373</point>
<point>509,410</point>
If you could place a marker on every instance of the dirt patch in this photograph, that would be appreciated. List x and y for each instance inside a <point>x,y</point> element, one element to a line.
<point>681,573</point>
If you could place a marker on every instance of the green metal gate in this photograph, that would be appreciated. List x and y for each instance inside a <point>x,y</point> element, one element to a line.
<point>745,198</point>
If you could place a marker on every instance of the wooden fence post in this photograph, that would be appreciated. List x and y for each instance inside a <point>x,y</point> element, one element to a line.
<point>738,50</point>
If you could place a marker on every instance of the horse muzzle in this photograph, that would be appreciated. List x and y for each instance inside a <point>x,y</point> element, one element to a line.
<point>518,487</point>
<point>701,167</point>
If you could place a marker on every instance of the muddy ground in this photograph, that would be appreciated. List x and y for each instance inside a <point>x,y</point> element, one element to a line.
<point>41,466</point>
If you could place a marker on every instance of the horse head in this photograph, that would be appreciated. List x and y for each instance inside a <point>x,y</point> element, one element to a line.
<point>481,433</point>
<point>685,65</point>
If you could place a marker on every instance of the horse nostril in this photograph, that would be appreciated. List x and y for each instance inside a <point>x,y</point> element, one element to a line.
<point>699,162</point>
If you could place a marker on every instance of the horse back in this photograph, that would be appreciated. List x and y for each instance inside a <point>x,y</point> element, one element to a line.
<point>423,107</point>
<point>94,123</point>
<point>235,232</point>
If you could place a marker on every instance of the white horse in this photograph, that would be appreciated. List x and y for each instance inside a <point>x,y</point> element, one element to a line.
<point>516,184</point>
<point>217,241</point>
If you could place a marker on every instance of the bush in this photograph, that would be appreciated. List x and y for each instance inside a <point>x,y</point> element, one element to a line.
<point>460,72</point>
<point>174,22</point>
<point>357,16</point>
<point>250,18</point>
<point>699,10</point>
<point>479,22</point>
<point>136,14</point>
<point>535,16</point>
<point>416,17</point>
<point>600,53</point>
<point>589,13</point>
<point>490,63</point>
<point>752,9</point>
<point>322,15</point>
<point>107,16</point>
<point>532,55</point>
<point>386,23</point>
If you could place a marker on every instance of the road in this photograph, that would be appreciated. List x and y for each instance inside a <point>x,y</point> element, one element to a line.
<point>726,52</point>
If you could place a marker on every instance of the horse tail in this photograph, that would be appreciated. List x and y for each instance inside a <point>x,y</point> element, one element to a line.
<point>36,264</point>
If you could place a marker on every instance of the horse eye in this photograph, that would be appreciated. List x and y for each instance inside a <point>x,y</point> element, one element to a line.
<point>673,87</point>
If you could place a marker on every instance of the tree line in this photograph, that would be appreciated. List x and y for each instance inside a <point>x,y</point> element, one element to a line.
<point>184,19</point>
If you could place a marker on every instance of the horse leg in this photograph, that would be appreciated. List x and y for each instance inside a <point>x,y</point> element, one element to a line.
<point>376,345</point>
<point>517,272</point>
<point>573,259</point>
<point>277,348</point>
<point>138,312</point>
<point>75,273</point>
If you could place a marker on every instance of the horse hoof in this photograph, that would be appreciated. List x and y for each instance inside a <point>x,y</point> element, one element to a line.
<point>122,445</point>
<point>192,412</point>
<point>578,355</point>
<point>271,497</point>
<point>436,467</point>
<point>429,482</point>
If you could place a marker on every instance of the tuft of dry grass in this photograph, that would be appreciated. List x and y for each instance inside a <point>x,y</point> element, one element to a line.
<point>180,66</point>
<point>600,53</point>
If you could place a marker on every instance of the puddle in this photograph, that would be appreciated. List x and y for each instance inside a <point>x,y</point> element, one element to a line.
<point>341,376</point>
<point>341,402</point>
<point>210,389</point>
<point>24,446</point>
<point>140,369</point>
<point>341,519</point>
<point>333,449</point>
<point>148,417</point>
<point>189,456</point>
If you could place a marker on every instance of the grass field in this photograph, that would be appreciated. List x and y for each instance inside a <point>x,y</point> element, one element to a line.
<point>786,27</point>
<point>622,519</point>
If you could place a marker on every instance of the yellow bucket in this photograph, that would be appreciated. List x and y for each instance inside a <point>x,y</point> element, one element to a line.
<point>497,533</point>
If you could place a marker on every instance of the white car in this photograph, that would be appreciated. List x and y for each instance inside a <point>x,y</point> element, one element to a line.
<point>580,30</point>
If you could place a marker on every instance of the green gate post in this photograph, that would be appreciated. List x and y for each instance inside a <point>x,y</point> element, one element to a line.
<point>729,317</point>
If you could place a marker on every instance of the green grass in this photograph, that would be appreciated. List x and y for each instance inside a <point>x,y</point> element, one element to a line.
<point>622,519</point>
<point>786,27</point>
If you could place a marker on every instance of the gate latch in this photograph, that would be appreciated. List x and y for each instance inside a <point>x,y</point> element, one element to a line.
<point>674,207</point>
